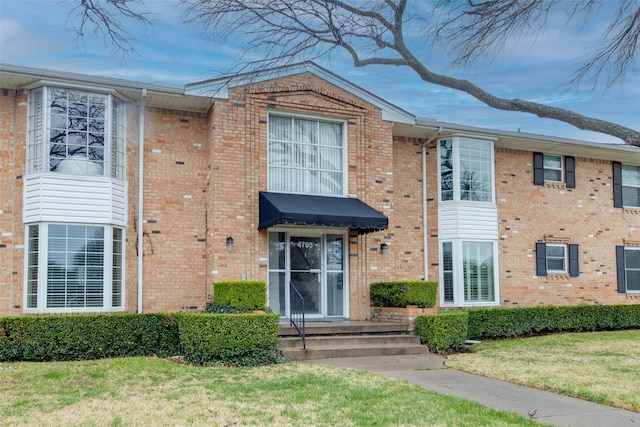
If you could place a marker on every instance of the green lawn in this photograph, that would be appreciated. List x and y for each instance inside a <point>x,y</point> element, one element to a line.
<point>602,367</point>
<point>148,391</point>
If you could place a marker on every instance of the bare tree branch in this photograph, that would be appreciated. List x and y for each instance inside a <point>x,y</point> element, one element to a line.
<point>617,56</point>
<point>110,18</point>
<point>483,28</point>
<point>278,32</point>
<point>372,32</point>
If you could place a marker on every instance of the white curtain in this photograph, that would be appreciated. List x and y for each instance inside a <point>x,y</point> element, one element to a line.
<point>305,156</point>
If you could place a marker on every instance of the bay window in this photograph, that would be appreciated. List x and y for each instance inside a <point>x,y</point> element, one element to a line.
<point>469,273</point>
<point>466,170</point>
<point>75,132</point>
<point>74,268</point>
<point>306,155</point>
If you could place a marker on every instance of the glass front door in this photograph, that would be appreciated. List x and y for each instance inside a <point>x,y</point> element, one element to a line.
<point>305,264</point>
<point>314,263</point>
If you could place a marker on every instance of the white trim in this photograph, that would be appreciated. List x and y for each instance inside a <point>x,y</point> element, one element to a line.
<point>140,219</point>
<point>88,199</point>
<point>322,233</point>
<point>626,270</point>
<point>458,274</point>
<point>623,185</point>
<point>42,263</point>
<point>561,168</point>
<point>565,258</point>
<point>315,118</point>
<point>455,160</point>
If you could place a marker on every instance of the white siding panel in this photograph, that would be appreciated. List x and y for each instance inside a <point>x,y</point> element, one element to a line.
<point>467,220</point>
<point>75,199</point>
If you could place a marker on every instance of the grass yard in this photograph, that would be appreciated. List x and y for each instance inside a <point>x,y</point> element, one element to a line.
<point>148,391</point>
<point>602,367</point>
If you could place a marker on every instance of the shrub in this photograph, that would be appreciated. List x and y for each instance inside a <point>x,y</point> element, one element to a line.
<point>493,323</point>
<point>242,340</point>
<point>82,337</point>
<point>443,331</point>
<point>403,293</point>
<point>242,295</point>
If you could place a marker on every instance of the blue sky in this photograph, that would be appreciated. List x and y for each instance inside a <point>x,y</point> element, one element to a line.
<point>40,34</point>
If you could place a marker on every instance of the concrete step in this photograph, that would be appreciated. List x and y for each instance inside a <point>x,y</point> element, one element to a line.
<point>329,341</point>
<point>329,353</point>
<point>349,339</point>
<point>346,328</point>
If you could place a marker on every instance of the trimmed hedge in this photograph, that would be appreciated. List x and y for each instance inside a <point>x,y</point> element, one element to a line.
<point>243,340</point>
<point>402,293</point>
<point>494,323</point>
<point>82,337</point>
<point>241,295</point>
<point>443,331</point>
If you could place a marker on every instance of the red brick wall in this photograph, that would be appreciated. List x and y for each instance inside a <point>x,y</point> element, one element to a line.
<point>238,163</point>
<point>175,173</point>
<point>203,173</point>
<point>584,215</point>
<point>13,116</point>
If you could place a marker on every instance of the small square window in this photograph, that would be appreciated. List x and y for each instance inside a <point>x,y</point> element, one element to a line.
<point>552,168</point>
<point>556,258</point>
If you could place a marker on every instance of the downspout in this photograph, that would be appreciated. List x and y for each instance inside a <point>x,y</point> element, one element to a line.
<point>143,104</point>
<point>425,230</point>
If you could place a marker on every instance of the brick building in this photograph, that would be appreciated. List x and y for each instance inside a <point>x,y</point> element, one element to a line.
<point>124,196</point>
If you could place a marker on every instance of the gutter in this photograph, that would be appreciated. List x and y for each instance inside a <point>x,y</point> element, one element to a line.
<point>425,229</point>
<point>140,221</point>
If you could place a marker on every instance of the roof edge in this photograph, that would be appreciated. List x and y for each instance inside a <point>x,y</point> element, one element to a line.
<point>219,87</point>
<point>65,76</point>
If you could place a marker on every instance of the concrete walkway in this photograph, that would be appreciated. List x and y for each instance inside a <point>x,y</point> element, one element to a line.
<point>430,372</point>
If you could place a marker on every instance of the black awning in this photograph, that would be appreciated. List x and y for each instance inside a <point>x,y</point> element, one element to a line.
<point>302,209</point>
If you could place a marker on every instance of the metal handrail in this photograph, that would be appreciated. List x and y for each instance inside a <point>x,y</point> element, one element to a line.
<point>296,318</point>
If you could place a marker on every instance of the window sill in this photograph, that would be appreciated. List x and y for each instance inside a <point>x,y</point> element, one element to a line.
<point>558,276</point>
<point>63,311</point>
<point>470,304</point>
<point>558,185</point>
<point>631,211</point>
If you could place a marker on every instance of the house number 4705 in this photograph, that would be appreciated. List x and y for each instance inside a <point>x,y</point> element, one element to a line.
<point>305,245</point>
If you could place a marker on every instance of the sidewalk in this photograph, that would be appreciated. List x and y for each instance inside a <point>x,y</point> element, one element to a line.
<point>429,371</point>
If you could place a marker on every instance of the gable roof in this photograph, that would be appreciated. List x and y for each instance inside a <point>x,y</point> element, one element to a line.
<point>219,87</point>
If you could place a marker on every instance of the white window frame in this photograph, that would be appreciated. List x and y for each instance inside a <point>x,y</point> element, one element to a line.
<point>627,269</point>
<point>546,168</point>
<point>316,118</point>
<point>627,184</point>
<point>456,166</point>
<point>458,274</point>
<point>564,258</point>
<point>42,271</point>
<point>321,232</point>
<point>39,125</point>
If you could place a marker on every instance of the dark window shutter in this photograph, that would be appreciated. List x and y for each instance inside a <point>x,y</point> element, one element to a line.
<point>574,265</point>
<point>538,168</point>
<point>541,259</point>
<point>620,266</point>
<point>617,184</point>
<point>570,171</point>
